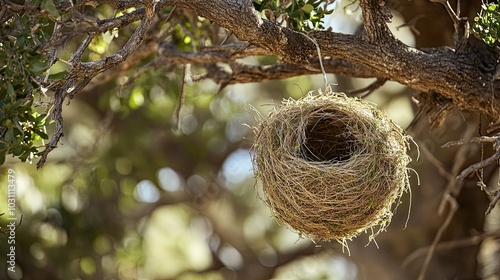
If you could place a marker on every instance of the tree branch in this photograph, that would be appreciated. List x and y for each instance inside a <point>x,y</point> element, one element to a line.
<point>454,76</point>
<point>82,73</point>
<point>464,79</point>
<point>241,19</point>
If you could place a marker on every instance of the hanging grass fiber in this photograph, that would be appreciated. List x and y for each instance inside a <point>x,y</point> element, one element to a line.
<point>331,166</point>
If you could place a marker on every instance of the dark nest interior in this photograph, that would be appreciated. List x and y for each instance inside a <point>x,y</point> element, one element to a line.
<point>331,166</point>
<point>326,139</point>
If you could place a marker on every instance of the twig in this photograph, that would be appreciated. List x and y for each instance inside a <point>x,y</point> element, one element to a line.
<point>496,197</point>
<point>229,34</point>
<point>89,70</point>
<point>449,9</point>
<point>460,24</point>
<point>58,131</point>
<point>453,208</point>
<point>75,58</point>
<point>454,186</point>
<point>411,24</point>
<point>480,139</point>
<point>449,245</point>
<point>436,163</point>
<point>477,166</point>
<point>155,63</point>
<point>177,116</point>
<point>368,89</point>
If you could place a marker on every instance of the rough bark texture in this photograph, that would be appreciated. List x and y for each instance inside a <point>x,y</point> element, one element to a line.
<point>464,75</point>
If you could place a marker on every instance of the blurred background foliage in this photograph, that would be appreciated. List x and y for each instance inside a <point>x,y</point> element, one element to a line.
<point>130,194</point>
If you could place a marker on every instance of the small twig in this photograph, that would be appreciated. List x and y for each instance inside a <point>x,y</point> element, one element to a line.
<point>453,208</point>
<point>58,131</point>
<point>78,54</point>
<point>483,163</point>
<point>451,189</point>
<point>130,80</point>
<point>411,24</point>
<point>368,89</point>
<point>170,14</point>
<point>177,117</point>
<point>227,37</point>
<point>449,245</point>
<point>460,24</point>
<point>166,32</point>
<point>455,186</point>
<point>477,166</point>
<point>436,163</point>
<point>480,139</point>
<point>496,197</point>
<point>449,9</point>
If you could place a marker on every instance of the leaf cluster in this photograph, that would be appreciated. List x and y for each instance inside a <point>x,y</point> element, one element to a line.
<point>301,15</point>
<point>487,24</point>
<point>20,61</point>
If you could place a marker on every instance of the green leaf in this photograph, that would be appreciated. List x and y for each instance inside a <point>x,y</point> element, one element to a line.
<point>40,120</point>
<point>41,134</point>
<point>10,89</point>
<point>17,104</point>
<point>58,75</point>
<point>20,42</point>
<point>9,135</point>
<point>307,8</point>
<point>24,156</point>
<point>38,67</point>
<point>49,6</point>
<point>17,149</point>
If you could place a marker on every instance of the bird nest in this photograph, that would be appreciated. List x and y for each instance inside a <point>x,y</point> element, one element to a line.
<point>331,166</point>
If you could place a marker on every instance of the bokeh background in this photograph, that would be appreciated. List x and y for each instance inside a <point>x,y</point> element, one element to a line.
<point>129,194</point>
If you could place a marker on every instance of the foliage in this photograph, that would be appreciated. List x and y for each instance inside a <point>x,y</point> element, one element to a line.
<point>21,62</point>
<point>301,15</point>
<point>487,24</point>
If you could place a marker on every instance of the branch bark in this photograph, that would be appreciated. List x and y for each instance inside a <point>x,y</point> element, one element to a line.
<point>466,78</point>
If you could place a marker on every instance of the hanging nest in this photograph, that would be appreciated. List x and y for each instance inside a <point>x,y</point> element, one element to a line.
<point>331,166</point>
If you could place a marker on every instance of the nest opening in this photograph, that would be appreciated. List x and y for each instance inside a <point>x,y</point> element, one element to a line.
<point>328,139</point>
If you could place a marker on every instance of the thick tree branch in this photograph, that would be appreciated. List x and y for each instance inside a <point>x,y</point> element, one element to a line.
<point>458,77</point>
<point>375,16</point>
<point>239,17</point>
<point>464,78</point>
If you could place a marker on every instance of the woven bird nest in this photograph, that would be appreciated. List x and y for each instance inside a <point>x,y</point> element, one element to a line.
<point>331,166</point>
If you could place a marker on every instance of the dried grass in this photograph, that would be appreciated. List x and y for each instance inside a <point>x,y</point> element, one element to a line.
<point>331,166</point>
